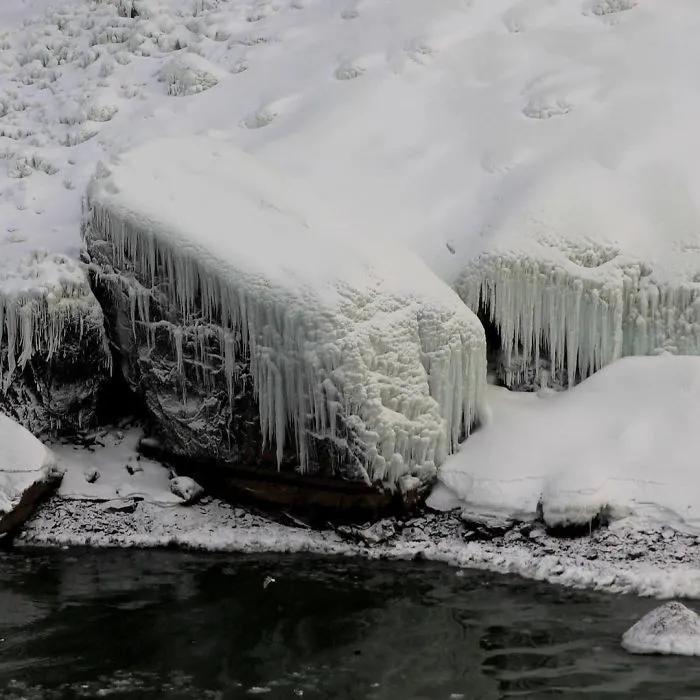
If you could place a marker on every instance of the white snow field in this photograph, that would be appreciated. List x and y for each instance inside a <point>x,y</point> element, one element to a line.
<point>540,155</point>
<point>24,461</point>
<point>337,324</point>
<point>623,442</point>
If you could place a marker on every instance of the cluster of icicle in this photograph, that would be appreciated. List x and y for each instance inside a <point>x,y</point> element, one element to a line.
<point>37,321</point>
<point>406,391</point>
<point>581,322</point>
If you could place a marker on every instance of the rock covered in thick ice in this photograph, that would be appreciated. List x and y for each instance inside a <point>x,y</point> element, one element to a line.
<point>53,350</point>
<point>28,471</point>
<point>233,288</point>
<point>671,628</point>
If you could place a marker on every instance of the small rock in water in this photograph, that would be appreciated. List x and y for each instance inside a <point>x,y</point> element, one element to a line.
<point>92,475</point>
<point>187,489</point>
<point>671,628</point>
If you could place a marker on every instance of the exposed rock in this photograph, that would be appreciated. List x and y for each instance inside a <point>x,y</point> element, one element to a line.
<point>480,526</point>
<point>669,629</point>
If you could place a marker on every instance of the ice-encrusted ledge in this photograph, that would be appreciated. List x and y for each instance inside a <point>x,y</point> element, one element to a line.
<point>581,267</point>
<point>227,282</point>
<point>53,349</point>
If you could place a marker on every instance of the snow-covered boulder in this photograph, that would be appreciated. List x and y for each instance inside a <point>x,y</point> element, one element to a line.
<point>671,628</point>
<point>28,473</point>
<point>53,348</point>
<point>264,333</point>
<point>186,488</point>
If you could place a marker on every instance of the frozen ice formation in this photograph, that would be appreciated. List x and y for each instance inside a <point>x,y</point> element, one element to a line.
<point>345,334</point>
<point>576,270</point>
<point>53,348</point>
<point>671,628</point>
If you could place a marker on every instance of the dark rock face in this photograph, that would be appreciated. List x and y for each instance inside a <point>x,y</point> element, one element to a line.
<point>203,428</point>
<point>56,393</point>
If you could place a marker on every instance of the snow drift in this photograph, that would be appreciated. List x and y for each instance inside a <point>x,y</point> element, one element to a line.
<point>345,334</point>
<point>622,442</point>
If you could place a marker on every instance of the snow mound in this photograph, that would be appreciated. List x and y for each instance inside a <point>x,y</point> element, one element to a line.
<point>671,628</point>
<point>339,325</point>
<point>623,441</point>
<point>189,74</point>
<point>24,461</point>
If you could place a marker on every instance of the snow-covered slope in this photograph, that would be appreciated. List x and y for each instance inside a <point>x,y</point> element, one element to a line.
<point>339,326</point>
<point>541,155</point>
<point>624,441</point>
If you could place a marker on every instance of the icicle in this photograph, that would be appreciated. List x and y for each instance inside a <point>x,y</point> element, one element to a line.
<point>405,391</point>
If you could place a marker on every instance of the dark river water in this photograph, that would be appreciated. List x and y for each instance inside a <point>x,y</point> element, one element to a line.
<point>120,624</point>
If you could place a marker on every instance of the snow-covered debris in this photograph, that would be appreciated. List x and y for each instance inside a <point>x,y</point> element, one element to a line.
<point>671,628</point>
<point>348,336</point>
<point>623,441</point>
<point>189,74</point>
<point>28,470</point>
<point>185,488</point>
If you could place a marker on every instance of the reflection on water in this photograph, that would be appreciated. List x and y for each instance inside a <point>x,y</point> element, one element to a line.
<point>123,624</point>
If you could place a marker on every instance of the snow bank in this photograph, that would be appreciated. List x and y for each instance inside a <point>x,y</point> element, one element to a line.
<point>339,326</point>
<point>670,629</point>
<point>624,441</point>
<point>24,461</point>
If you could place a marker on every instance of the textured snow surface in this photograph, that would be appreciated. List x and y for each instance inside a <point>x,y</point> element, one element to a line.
<point>541,155</point>
<point>669,629</point>
<point>337,324</point>
<point>23,461</point>
<point>623,441</point>
<point>112,471</point>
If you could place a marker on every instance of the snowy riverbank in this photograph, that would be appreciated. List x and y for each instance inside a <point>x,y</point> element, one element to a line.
<point>629,557</point>
<point>130,505</point>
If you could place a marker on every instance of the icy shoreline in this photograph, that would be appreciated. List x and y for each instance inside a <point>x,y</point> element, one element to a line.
<point>625,558</point>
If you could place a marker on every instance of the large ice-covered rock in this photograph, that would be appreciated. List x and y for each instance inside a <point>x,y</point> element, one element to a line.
<point>262,332</point>
<point>54,356</point>
<point>28,473</point>
<point>671,628</point>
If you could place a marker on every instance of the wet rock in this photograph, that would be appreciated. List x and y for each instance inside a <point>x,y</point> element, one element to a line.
<point>480,526</point>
